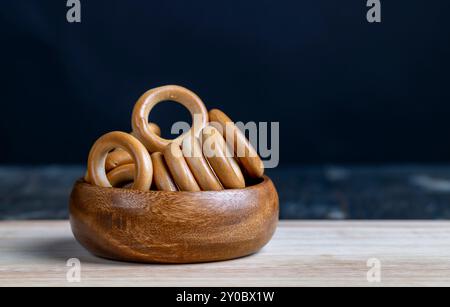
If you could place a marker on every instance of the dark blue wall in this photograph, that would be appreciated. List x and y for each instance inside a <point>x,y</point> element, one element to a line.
<point>344,90</point>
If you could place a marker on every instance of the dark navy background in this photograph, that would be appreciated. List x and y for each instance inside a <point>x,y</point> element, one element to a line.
<point>343,90</point>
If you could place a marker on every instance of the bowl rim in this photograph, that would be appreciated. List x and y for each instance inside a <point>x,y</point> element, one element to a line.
<point>264,181</point>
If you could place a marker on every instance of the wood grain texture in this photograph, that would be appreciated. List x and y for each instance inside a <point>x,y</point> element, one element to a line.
<point>300,254</point>
<point>174,227</point>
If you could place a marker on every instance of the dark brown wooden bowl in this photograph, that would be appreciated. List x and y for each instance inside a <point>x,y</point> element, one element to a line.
<point>173,227</point>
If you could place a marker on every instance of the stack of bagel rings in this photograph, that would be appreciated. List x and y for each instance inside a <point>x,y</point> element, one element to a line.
<point>213,155</point>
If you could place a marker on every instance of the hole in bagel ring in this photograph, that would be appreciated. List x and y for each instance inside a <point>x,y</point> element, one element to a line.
<point>150,99</point>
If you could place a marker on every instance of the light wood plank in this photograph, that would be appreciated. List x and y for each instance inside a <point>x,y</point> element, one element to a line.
<point>302,253</point>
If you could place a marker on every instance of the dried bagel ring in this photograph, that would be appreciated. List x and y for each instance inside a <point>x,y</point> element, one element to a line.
<point>192,152</point>
<point>179,168</point>
<point>154,128</point>
<point>141,158</point>
<point>117,158</point>
<point>244,151</point>
<point>221,159</point>
<point>161,175</point>
<point>120,157</point>
<point>150,99</point>
<point>121,175</point>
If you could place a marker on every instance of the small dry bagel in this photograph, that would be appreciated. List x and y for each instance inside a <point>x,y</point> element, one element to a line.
<point>219,156</point>
<point>193,154</point>
<point>120,157</point>
<point>244,151</point>
<point>117,158</point>
<point>161,175</point>
<point>150,99</point>
<point>97,159</point>
<point>121,175</point>
<point>179,168</point>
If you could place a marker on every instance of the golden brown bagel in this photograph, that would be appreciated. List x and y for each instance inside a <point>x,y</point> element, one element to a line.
<point>161,176</point>
<point>244,151</point>
<point>120,157</point>
<point>220,158</point>
<point>198,164</point>
<point>179,168</point>
<point>121,175</point>
<point>150,99</point>
<point>108,142</point>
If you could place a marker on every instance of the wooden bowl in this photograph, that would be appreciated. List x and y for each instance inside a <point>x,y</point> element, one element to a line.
<point>173,227</point>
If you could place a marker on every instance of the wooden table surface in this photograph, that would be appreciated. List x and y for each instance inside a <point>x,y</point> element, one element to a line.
<point>302,253</point>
